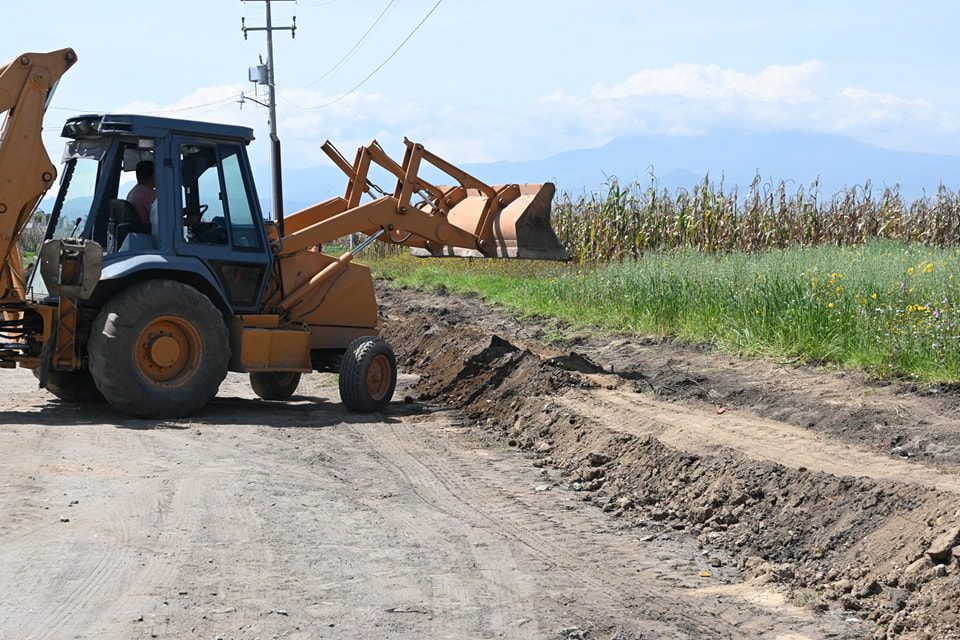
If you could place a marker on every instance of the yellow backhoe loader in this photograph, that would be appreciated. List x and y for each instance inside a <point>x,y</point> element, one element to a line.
<point>150,309</point>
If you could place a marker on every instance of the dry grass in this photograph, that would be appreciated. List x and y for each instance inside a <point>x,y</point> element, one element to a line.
<point>630,220</point>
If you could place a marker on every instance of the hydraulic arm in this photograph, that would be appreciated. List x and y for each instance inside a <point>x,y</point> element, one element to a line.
<point>497,221</point>
<point>26,173</point>
<point>471,218</point>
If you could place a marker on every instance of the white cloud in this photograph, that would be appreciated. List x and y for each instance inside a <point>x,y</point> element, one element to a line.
<point>200,102</point>
<point>775,83</point>
<point>682,100</point>
<point>687,99</point>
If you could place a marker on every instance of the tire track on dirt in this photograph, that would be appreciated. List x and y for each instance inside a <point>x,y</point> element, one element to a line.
<point>36,542</point>
<point>115,574</point>
<point>436,474</point>
<point>497,578</point>
<point>169,517</point>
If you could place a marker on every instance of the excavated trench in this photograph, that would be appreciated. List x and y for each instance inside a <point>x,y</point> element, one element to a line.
<point>843,492</point>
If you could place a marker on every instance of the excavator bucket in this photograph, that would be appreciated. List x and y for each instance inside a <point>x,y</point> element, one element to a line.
<point>521,229</point>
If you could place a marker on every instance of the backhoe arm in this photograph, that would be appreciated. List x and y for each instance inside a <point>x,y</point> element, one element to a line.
<point>26,173</point>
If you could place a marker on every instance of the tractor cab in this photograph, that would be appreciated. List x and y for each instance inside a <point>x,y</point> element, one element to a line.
<point>165,195</point>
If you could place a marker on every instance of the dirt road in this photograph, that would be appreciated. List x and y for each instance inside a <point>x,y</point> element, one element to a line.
<point>599,488</point>
<point>258,520</point>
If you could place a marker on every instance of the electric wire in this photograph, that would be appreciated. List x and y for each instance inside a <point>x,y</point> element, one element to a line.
<point>354,47</point>
<point>221,101</point>
<point>374,72</point>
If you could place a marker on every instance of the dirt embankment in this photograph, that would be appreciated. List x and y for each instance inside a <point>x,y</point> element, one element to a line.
<point>843,491</point>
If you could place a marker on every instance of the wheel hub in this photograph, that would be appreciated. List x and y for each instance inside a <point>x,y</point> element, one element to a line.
<point>168,350</point>
<point>378,377</point>
<point>164,351</point>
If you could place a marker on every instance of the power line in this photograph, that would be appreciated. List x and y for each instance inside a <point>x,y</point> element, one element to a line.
<point>372,73</point>
<point>221,101</point>
<point>354,47</point>
<point>317,4</point>
<point>196,106</point>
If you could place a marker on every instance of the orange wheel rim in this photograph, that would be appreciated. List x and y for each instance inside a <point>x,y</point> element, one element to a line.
<point>168,351</point>
<point>378,377</point>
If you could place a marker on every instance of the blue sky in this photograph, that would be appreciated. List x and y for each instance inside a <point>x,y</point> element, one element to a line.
<point>499,80</point>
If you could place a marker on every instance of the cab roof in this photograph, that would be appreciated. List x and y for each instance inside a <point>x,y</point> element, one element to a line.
<point>95,126</point>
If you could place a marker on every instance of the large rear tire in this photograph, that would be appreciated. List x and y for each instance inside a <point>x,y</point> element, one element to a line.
<point>272,385</point>
<point>368,375</point>
<point>159,349</point>
<point>72,386</point>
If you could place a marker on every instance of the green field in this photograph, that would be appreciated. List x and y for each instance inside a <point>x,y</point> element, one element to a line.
<point>888,307</point>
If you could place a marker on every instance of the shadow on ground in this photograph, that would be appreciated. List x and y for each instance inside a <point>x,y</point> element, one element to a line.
<point>301,411</point>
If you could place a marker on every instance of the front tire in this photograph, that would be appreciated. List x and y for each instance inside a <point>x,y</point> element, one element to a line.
<point>368,375</point>
<point>271,385</point>
<point>159,349</point>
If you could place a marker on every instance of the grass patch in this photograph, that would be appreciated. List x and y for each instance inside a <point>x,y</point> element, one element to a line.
<point>887,307</point>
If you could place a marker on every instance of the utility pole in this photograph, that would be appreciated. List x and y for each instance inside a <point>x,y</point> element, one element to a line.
<point>271,85</point>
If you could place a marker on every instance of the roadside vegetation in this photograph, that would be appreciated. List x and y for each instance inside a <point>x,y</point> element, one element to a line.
<point>628,221</point>
<point>888,307</point>
<point>859,280</point>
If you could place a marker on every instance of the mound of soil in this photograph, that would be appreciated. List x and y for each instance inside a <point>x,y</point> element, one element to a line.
<point>886,552</point>
<point>901,420</point>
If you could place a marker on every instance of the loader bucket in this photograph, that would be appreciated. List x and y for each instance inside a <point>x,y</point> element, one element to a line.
<point>521,229</point>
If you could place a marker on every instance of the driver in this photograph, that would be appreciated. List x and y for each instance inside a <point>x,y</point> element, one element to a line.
<point>213,232</point>
<point>144,192</point>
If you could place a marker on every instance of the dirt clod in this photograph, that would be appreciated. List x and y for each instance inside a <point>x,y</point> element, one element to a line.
<point>942,546</point>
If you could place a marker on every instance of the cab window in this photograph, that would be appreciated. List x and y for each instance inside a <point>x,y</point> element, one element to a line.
<point>216,204</point>
<point>204,221</point>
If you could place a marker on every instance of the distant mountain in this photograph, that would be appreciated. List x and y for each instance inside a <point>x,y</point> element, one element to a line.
<point>737,158</point>
<point>682,161</point>
<point>678,161</point>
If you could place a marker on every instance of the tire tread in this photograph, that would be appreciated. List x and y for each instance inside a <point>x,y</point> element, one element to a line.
<point>111,360</point>
<point>353,374</point>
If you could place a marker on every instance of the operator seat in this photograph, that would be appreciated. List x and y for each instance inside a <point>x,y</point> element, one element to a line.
<point>123,220</point>
<point>155,222</point>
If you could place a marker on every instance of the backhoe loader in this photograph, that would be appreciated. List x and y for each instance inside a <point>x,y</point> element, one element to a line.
<point>151,314</point>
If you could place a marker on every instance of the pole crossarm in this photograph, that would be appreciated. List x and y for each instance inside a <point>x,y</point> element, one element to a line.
<point>277,181</point>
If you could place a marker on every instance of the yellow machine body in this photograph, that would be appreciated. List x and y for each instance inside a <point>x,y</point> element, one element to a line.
<point>312,307</point>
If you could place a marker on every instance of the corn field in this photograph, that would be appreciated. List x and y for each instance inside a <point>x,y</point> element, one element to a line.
<point>630,220</point>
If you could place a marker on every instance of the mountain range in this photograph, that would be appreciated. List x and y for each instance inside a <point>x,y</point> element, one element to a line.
<point>682,161</point>
<point>677,162</point>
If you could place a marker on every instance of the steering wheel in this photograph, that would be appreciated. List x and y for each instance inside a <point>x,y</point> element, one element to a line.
<point>189,212</point>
